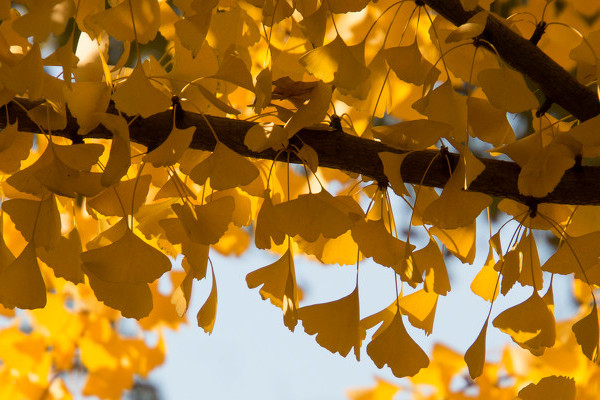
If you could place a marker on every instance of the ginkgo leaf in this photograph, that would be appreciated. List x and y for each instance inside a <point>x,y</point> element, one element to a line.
<point>192,29</point>
<point>391,168</point>
<point>263,90</point>
<point>460,242</point>
<point>207,315</point>
<point>530,324</point>
<point>312,112</point>
<point>127,260</point>
<point>182,294</point>
<point>475,355</point>
<point>128,21</point>
<point>531,272</point>
<point>209,222</point>
<point>14,147</point>
<point>337,324</point>
<point>170,151</point>
<point>544,170</point>
<point>336,63</point>
<point>278,284</point>
<point>175,188</point>
<point>64,258</point>
<point>340,250</point>
<point>393,346</point>
<point>408,64</point>
<point>382,390</point>
<point>134,300</point>
<point>579,255</point>
<point>420,307</point>
<point>311,215</point>
<point>412,135</point>
<point>587,334</point>
<point>429,260</point>
<point>489,123</point>
<point>234,70</point>
<point>119,159</point>
<point>473,27</point>
<point>138,96</point>
<point>443,104</point>
<point>38,221</point>
<point>375,241</point>
<point>485,282</point>
<point>226,169</point>
<point>506,89</point>
<point>550,387</point>
<point>119,199</point>
<point>21,282</point>
<point>263,136</point>
<point>310,157</point>
<point>86,100</point>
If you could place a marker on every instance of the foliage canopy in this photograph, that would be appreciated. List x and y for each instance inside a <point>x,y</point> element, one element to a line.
<point>136,131</point>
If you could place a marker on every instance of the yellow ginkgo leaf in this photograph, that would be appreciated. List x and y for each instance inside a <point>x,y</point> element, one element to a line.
<point>382,390</point>
<point>263,90</point>
<point>234,70</point>
<point>175,188</point>
<point>506,89</point>
<point>550,387</point>
<point>587,334</point>
<point>337,324</point>
<point>336,63</point>
<point>312,112</point>
<point>119,199</point>
<point>128,21</point>
<point>579,255</point>
<point>134,300</point>
<point>138,96</point>
<point>64,258</point>
<point>420,307</point>
<point>475,355</point>
<point>461,241</point>
<point>86,100</point>
<point>21,282</point>
<point>531,272</point>
<point>443,104</point>
<point>182,294</point>
<point>209,222</point>
<point>530,324</point>
<point>489,123</point>
<point>311,215</point>
<point>375,241</point>
<point>192,29</point>
<point>226,169</point>
<point>455,208</point>
<point>408,64</point>
<point>393,346</point>
<point>127,260</point>
<point>14,147</point>
<point>340,250</point>
<point>412,135</point>
<point>119,159</point>
<point>266,228</point>
<point>310,157</point>
<point>278,282</point>
<point>485,282</point>
<point>170,151</point>
<point>263,136</point>
<point>544,170</point>
<point>38,221</point>
<point>429,260</point>
<point>207,315</point>
<point>473,27</point>
<point>392,163</point>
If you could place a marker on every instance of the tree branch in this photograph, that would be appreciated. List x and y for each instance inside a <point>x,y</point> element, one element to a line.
<point>339,151</point>
<point>556,83</point>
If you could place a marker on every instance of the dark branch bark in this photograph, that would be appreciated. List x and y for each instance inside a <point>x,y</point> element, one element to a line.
<point>343,152</point>
<point>556,83</point>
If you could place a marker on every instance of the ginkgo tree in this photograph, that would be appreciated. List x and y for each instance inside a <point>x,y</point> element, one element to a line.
<point>136,131</point>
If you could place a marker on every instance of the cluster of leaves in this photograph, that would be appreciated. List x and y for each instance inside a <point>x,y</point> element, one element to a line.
<point>96,218</point>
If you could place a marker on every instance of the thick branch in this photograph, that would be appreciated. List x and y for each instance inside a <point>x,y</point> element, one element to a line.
<point>556,83</point>
<point>340,151</point>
